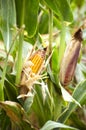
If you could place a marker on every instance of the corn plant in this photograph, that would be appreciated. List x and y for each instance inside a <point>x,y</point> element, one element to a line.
<point>42,64</point>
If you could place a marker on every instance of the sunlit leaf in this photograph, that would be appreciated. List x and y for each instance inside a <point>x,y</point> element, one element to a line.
<point>7,20</point>
<point>61,8</point>
<point>79,75</point>
<point>51,125</point>
<point>3,56</point>
<point>78,95</point>
<point>67,97</point>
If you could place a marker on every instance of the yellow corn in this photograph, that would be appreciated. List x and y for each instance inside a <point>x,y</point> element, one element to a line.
<point>37,59</point>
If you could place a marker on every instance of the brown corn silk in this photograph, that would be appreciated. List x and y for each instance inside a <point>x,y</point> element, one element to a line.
<point>70,58</point>
<point>31,70</point>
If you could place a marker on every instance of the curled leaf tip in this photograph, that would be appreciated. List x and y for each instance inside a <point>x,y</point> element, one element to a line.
<point>78,34</point>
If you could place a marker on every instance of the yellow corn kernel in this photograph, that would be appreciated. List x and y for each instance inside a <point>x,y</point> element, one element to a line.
<point>37,59</point>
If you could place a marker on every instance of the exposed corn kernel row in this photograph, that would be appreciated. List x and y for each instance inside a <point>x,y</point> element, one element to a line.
<point>34,59</point>
<point>38,65</point>
<point>37,61</point>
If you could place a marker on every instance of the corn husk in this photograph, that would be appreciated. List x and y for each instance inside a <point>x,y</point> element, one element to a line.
<point>31,71</point>
<point>70,58</point>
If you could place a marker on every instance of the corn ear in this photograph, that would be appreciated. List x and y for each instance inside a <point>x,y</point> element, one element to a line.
<point>32,67</point>
<point>37,59</point>
<point>31,71</point>
<point>70,58</point>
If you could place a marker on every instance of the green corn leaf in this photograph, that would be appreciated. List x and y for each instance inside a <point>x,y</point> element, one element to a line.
<point>67,97</point>
<point>4,121</point>
<point>7,20</point>
<point>61,8</point>
<point>10,90</point>
<point>1,91</point>
<point>51,125</point>
<point>16,113</point>
<point>14,110</point>
<point>27,12</point>
<point>43,24</point>
<point>78,95</point>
